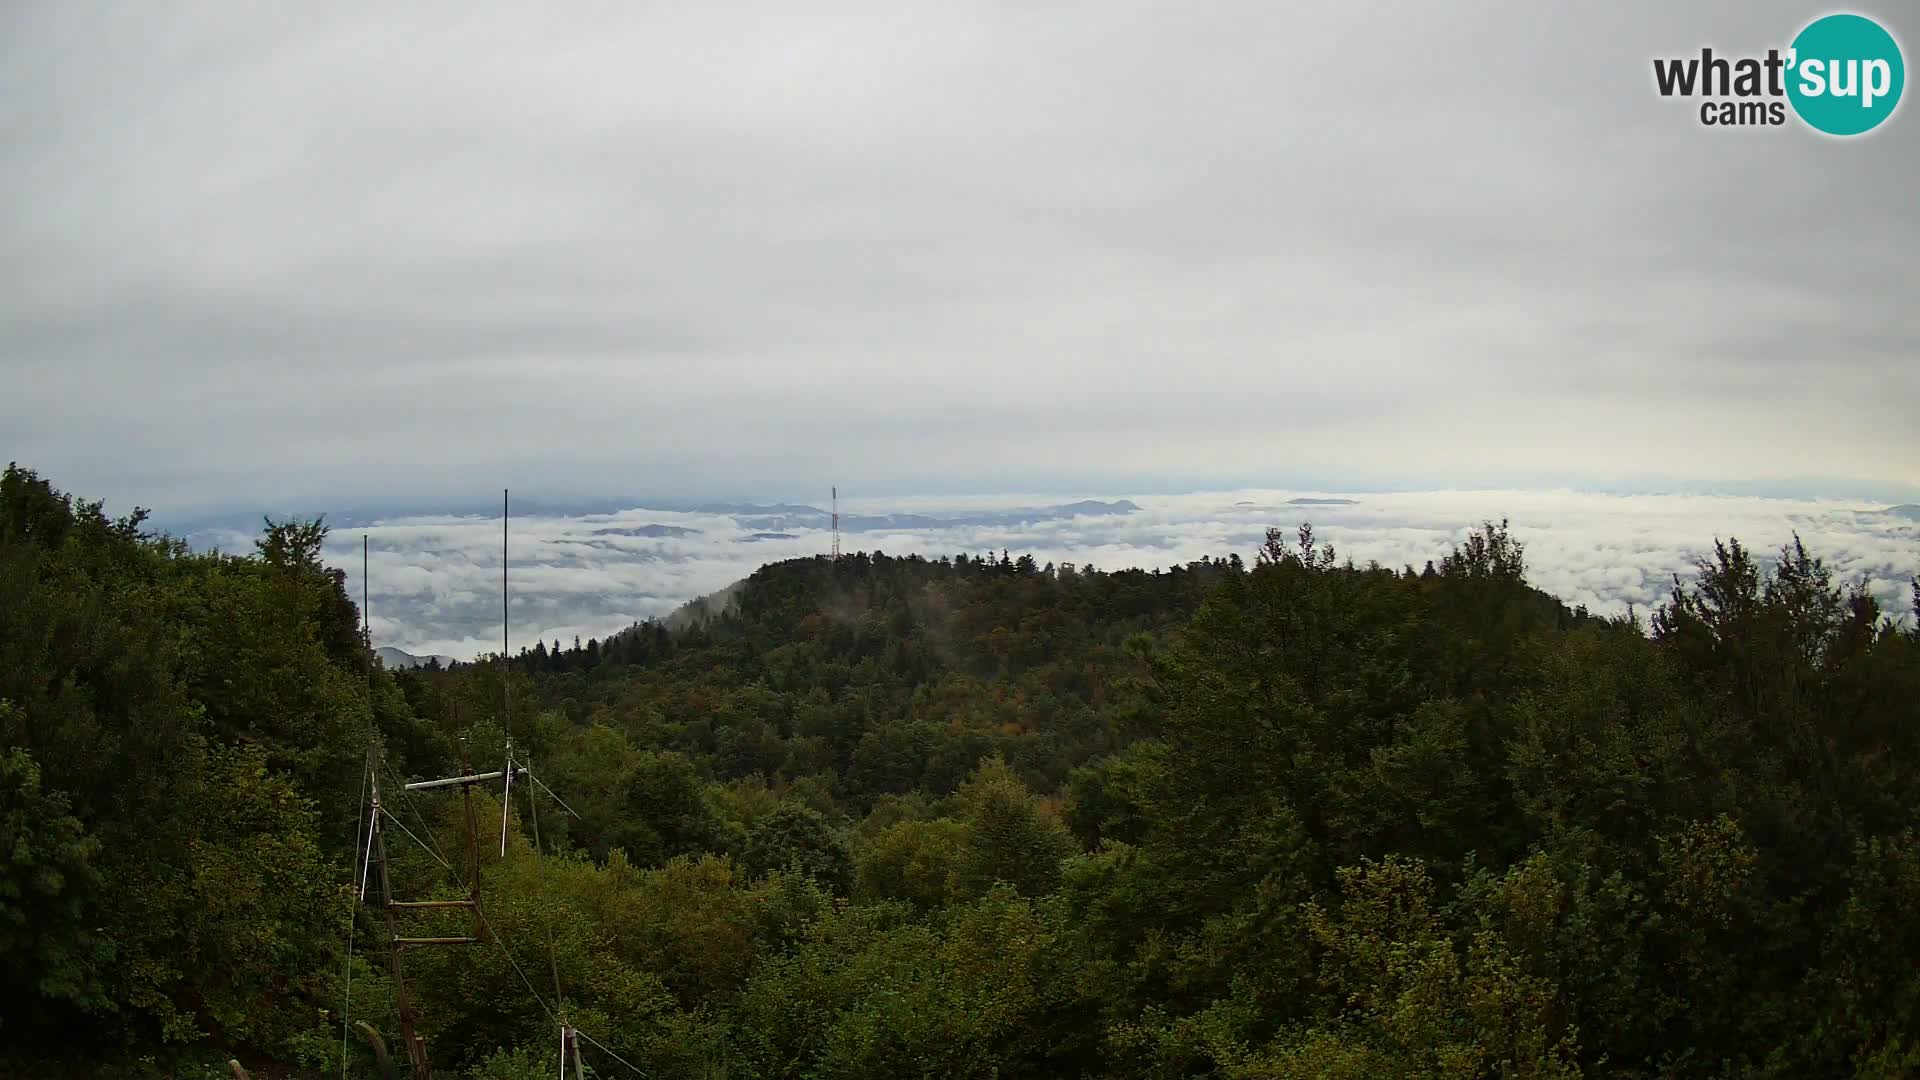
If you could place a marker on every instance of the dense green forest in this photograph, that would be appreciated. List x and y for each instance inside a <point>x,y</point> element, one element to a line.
<point>886,817</point>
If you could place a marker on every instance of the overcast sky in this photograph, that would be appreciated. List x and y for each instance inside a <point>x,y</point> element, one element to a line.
<point>257,250</point>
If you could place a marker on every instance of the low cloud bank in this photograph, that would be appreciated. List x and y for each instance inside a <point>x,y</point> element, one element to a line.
<point>435,580</point>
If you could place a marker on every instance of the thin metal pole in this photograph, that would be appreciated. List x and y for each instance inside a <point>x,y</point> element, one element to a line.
<point>366,643</point>
<point>528,769</point>
<point>578,1034</point>
<point>366,620</point>
<point>353,913</point>
<point>451,781</point>
<point>506,799</point>
<point>373,823</point>
<point>506,616</point>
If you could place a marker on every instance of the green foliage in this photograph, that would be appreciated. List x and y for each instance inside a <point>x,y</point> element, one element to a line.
<point>915,861</point>
<point>48,882</point>
<point>532,1061</point>
<point>242,914</point>
<point>164,809</point>
<point>870,996</point>
<point>797,839</point>
<point>1408,1000</point>
<point>1112,798</point>
<point>887,816</point>
<point>1010,838</point>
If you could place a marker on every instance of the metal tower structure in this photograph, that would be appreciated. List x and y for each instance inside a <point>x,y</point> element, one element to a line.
<point>836,522</point>
<point>416,1046</point>
<point>393,909</point>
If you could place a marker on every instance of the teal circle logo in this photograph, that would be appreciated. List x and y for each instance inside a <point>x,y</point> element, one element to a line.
<point>1845,74</point>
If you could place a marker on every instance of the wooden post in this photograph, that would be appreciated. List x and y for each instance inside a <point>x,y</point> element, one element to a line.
<point>416,1046</point>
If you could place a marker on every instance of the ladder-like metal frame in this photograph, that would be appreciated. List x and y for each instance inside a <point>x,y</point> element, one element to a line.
<point>393,909</point>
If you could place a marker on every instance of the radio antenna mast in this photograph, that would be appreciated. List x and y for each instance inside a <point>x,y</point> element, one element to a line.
<point>504,615</point>
<point>506,685</point>
<point>376,858</point>
<point>366,619</point>
<point>836,522</point>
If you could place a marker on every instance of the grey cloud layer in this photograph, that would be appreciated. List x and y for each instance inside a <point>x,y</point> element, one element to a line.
<point>435,581</point>
<point>680,248</point>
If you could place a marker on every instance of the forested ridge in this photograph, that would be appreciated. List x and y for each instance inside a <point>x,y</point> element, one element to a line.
<point>884,817</point>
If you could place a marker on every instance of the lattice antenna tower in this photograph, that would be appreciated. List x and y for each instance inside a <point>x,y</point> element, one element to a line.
<point>836,522</point>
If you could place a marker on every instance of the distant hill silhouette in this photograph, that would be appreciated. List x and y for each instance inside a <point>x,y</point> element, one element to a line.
<point>398,659</point>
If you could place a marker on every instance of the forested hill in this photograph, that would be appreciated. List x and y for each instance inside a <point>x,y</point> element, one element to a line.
<point>875,675</point>
<point>881,817</point>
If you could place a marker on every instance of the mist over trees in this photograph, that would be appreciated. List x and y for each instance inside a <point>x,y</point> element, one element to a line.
<point>1281,816</point>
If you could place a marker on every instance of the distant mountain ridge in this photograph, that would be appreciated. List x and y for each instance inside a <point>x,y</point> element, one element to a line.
<point>206,531</point>
<point>398,659</point>
<point>649,531</point>
<point>785,516</point>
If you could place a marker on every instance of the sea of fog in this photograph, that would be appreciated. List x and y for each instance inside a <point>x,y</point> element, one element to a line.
<point>434,580</point>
